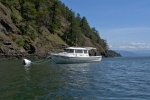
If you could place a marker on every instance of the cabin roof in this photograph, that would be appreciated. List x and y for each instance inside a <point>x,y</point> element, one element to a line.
<point>77,48</point>
<point>81,48</point>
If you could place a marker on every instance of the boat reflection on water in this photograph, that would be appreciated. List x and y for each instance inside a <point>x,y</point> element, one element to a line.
<point>77,75</point>
<point>81,67</point>
<point>27,72</point>
<point>58,80</point>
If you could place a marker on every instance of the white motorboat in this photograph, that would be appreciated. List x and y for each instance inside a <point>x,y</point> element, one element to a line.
<point>75,55</point>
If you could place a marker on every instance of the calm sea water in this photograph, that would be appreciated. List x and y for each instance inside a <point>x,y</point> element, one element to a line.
<point>111,79</point>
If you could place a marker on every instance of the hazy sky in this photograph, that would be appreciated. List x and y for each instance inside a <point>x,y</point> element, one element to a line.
<point>125,24</point>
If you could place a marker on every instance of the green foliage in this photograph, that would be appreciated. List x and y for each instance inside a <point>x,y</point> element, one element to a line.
<point>85,28</point>
<point>73,35</point>
<point>30,15</point>
<point>37,4</point>
<point>6,2</point>
<point>23,29</point>
<point>15,17</point>
<point>1,43</point>
<point>21,42</point>
<point>31,34</point>
<point>54,26</point>
<point>42,18</point>
<point>54,14</point>
<point>29,11</point>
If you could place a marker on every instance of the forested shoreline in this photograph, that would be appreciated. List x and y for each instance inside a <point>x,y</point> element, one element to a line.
<point>40,26</point>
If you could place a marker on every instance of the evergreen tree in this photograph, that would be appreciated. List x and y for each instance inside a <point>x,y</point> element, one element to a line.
<point>54,14</point>
<point>21,6</point>
<point>85,27</point>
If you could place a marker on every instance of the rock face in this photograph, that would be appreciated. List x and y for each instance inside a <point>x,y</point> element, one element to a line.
<point>23,35</point>
<point>14,44</point>
<point>7,47</point>
<point>6,24</point>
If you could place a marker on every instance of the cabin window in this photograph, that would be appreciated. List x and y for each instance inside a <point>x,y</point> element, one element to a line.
<point>79,51</point>
<point>69,50</point>
<point>85,51</point>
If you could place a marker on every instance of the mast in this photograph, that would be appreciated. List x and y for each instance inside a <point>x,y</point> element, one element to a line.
<point>76,40</point>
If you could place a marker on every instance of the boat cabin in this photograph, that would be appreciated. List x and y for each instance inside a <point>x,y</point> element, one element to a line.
<point>77,51</point>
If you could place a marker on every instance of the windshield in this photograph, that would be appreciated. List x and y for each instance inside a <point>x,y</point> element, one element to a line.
<point>85,51</point>
<point>79,51</point>
<point>69,50</point>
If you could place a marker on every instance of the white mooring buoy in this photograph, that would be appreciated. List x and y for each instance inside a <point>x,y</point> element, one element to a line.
<point>26,62</point>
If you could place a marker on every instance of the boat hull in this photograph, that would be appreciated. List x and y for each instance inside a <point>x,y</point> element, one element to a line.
<point>67,60</point>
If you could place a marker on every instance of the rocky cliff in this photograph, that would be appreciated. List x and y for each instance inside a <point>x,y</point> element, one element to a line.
<point>21,36</point>
<point>12,42</point>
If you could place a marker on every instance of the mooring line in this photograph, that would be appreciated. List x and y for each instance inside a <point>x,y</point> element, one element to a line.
<point>40,62</point>
<point>27,62</point>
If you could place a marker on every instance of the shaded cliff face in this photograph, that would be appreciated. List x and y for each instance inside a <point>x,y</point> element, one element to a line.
<point>7,28</point>
<point>26,28</point>
<point>13,42</point>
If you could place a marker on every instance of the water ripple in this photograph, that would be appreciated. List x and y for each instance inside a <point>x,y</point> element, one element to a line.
<point>111,79</point>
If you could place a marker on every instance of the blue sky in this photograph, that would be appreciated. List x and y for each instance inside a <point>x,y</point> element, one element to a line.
<point>125,24</point>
